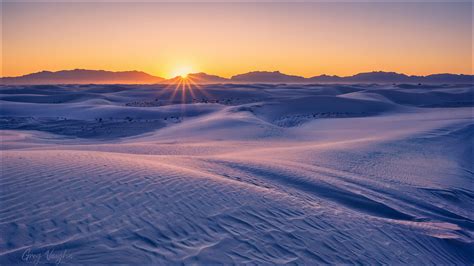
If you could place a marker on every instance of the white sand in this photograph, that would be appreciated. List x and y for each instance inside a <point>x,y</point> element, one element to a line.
<point>242,173</point>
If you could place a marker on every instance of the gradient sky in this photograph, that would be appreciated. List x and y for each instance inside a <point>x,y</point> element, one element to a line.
<point>229,38</point>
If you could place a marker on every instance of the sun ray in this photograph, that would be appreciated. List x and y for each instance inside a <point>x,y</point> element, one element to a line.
<point>164,89</point>
<point>183,91</point>
<point>199,88</point>
<point>176,89</point>
<point>191,91</point>
<point>187,86</point>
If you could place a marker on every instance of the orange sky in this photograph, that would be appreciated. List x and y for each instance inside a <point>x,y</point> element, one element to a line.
<point>225,39</point>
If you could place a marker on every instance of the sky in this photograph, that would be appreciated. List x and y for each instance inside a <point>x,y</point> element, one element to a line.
<point>307,39</point>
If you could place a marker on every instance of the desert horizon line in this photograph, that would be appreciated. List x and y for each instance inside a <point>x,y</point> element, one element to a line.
<point>237,74</point>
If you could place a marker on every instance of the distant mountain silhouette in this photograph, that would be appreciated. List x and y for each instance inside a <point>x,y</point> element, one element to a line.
<point>378,77</point>
<point>83,76</point>
<point>199,78</point>
<point>368,77</point>
<point>206,78</point>
<point>449,78</point>
<point>324,79</point>
<point>267,77</point>
<point>392,77</point>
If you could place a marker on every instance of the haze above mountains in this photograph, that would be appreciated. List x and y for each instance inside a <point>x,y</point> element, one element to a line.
<point>83,76</point>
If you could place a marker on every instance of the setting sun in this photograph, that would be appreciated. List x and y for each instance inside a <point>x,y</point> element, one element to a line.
<point>182,72</point>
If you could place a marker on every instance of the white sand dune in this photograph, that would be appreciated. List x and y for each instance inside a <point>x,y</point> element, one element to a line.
<point>237,174</point>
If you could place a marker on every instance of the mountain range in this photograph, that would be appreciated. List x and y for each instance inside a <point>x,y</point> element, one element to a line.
<point>83,76</point>
<point>200,78</point>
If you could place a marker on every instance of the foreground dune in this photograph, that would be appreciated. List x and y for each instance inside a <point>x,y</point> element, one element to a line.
<point>237,174</point>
